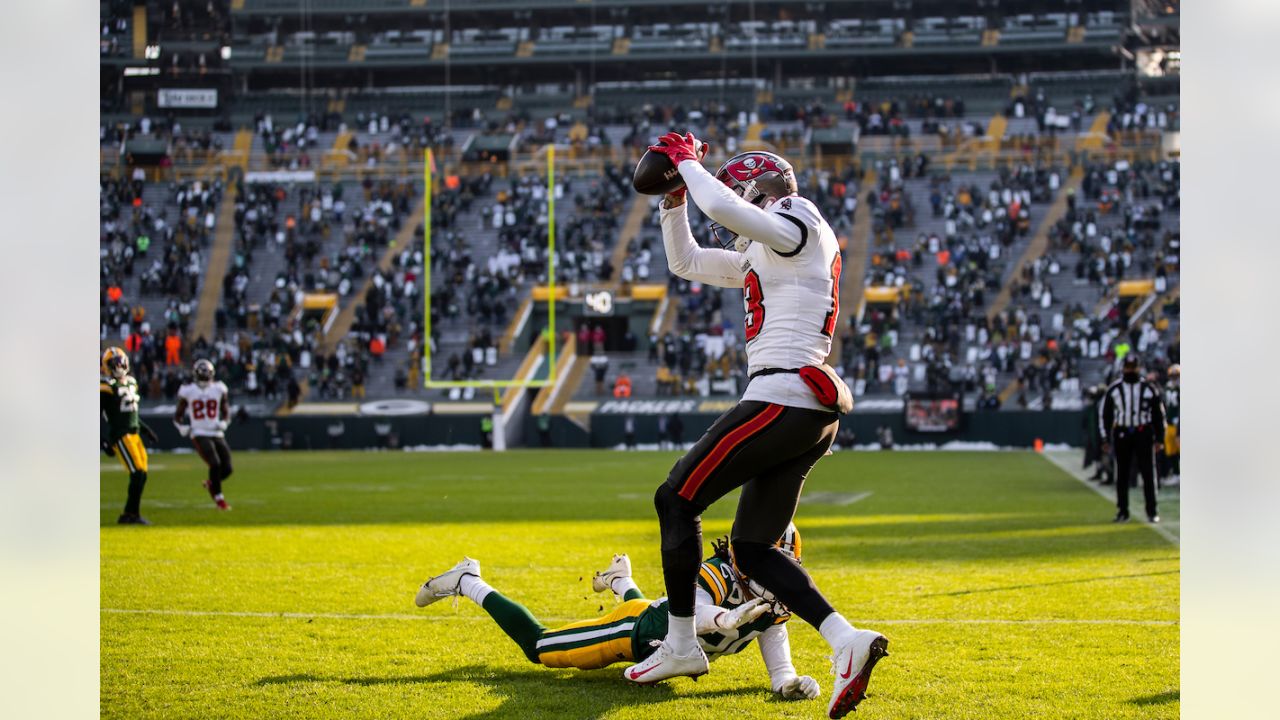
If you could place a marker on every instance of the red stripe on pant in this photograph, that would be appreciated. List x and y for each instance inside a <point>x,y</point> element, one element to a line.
<point>727,444</point>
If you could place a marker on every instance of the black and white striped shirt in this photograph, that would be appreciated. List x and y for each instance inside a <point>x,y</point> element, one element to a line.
<point>1126,406</point>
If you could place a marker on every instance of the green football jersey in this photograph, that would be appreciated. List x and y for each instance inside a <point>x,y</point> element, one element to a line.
<point>1172,398</point>
<point>119,403</point>
<point>719,580</point>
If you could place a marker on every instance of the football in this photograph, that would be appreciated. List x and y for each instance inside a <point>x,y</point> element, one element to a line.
<point>655,175</point>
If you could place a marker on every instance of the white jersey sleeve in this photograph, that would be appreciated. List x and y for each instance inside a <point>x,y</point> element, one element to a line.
<point>685,258</point>
<point>775,650</point>
<point>184,393</point>
<point>725,207</point>
<point>801,214</point>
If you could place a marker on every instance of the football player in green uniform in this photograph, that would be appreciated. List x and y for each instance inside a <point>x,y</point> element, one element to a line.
<point>1172,435</point>
<point>118,399</point>
<point>731,611</point>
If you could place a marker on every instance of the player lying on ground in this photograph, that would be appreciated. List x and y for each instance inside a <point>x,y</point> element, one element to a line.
<point>729,616</point>
<point>203,413</point>
<point>784,256</point>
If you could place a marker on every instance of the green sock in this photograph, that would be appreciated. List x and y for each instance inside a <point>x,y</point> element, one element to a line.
<point>516,621</point>
<point>632,594</point>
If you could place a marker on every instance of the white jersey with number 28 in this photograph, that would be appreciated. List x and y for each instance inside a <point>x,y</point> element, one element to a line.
<point>204,407</point>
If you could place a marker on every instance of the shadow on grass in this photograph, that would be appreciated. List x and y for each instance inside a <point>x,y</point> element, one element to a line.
<point>527,693</point>
<point>1050,584</point>
<point>1170,696</point>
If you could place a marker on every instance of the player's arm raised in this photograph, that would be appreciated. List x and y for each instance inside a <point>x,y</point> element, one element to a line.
<point>724,206</point>
<point>775,648</point>
<point>685,258</point>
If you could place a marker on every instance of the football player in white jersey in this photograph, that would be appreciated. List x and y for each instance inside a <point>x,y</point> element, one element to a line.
<point>203,414</point>
<point>786,259</point>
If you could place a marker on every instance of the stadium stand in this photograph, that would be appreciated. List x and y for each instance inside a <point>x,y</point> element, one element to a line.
<point>153,237</point>
<point>1001,227</point>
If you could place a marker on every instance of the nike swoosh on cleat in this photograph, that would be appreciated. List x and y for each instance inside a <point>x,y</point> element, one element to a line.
<point>634,675</point>
<point>847,671</point>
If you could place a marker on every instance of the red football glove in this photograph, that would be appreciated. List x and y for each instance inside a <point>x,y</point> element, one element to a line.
<point>677,147</point>
<point>680,148</point>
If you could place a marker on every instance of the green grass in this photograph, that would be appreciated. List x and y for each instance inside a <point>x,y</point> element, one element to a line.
<point>1003,588</point>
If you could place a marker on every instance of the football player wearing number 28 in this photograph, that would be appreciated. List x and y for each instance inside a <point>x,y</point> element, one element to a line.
<point>203,414</point>
<point>785,257</point>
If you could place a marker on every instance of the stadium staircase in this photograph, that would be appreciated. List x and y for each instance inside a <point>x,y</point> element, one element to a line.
<point>159,197</point>
<point>1038,245</point>
<point>220,252</point>
<point>379,382</point>
<point>853,269</point>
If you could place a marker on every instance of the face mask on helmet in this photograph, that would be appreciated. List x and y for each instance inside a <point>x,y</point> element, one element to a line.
<point>203,372</point>
<point>116,363</point>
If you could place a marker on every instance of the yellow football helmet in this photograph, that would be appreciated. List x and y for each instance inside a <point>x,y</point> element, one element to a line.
<point>115,363</point>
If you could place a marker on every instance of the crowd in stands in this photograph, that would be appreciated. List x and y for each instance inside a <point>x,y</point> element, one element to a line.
<point>184,144</point>
<point>1115,232</point>
<point>193,19</point>
<point>144,255</point>
<point>948,309</point>
<point>300,146</point>
<point>489,244</point>
<point>587,236</point>
<point>115,37</point>
<point>318,244</point>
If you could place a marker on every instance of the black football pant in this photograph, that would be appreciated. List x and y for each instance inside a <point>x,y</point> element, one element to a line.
<point>217,455</point>
<point>1135,452</point>
<point>767,450</point>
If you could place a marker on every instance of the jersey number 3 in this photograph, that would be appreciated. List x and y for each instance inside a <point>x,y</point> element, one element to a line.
<point>204,409</point>
<point>829,325</point>
<point>753,300</point>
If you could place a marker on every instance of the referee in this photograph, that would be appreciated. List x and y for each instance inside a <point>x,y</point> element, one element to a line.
<point>1132,422</point>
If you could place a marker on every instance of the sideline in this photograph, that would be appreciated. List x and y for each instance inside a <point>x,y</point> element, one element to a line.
<point>1069,461</point>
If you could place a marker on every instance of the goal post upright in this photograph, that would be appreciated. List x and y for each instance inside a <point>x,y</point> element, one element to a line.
<point>551,258</point>
<point>427,159</point>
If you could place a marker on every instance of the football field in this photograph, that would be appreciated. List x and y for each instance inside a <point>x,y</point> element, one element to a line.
<point>1004,589</point>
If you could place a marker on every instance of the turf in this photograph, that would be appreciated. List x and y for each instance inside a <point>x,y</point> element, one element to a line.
<point>1003,588</point>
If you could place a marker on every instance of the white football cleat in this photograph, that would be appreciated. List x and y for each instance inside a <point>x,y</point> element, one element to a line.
<point>447,584</point>
<point>852,665</point>
<point>619,568</point>
<point>664,663</point>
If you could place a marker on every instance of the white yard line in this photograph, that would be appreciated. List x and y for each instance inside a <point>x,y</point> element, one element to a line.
<point>451,617</point>
<point>1069,462</point>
